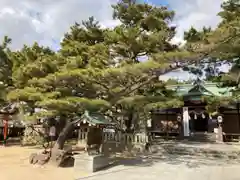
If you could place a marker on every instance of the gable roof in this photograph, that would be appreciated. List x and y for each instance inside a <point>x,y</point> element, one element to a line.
<point>208,89</point>
<point>95,119</point>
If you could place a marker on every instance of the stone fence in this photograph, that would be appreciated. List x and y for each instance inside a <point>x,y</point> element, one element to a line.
<point>125,138</point>
<point>117,141</point>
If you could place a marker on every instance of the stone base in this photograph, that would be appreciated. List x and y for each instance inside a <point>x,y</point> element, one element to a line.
<point>90,163</point>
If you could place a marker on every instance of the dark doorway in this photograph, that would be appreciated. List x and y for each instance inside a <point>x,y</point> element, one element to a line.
<point>199,123</point>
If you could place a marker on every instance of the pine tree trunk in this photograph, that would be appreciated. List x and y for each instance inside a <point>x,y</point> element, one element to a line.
<point>57,152</point>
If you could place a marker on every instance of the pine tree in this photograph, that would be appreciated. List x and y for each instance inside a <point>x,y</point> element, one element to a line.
<point>95,68</point>
<point>222,45</point>
<point>100,69</point>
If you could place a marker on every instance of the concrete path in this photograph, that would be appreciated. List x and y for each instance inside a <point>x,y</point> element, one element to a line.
<point>169,166</point>
<point>165,171</point>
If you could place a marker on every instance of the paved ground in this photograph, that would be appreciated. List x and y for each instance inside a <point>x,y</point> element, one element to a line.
<point>14,166</point>
<point>168,171</point>
<point>169,166</point>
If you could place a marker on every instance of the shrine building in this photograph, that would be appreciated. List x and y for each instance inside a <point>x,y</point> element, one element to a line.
<point>193,118</point>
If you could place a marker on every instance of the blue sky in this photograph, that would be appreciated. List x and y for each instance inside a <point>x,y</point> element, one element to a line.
<point>155,2</point>
<point>46,21</point>
<point>159,2</point>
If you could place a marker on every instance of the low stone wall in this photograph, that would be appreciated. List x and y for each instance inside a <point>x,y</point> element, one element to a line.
<point>118,142</point>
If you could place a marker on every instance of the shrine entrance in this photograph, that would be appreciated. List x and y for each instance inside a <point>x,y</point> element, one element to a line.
<point>198,121</point>
<point>200,125</point>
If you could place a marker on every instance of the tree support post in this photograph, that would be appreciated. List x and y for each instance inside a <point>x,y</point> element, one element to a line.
<point>5,129</point>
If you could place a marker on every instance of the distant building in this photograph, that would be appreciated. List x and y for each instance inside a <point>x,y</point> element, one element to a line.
<point>193,116</point>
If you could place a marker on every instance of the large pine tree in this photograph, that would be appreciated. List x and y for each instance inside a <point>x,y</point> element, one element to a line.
<point>222,45</point>
<point>99,69</point>
<point>95,68</point>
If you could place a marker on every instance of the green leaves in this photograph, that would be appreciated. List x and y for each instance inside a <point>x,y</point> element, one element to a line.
<point>170,103</point>
<point>213,103</point>
<point>231,11</point>
<point>148,17</point>
<point>222,42</point>
<point>99,69</point>
<point>73,104</point>
<point>27,94</point>
<point>145,29</point>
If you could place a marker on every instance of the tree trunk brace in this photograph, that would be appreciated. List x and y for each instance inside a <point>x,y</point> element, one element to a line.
<point>5,133</point>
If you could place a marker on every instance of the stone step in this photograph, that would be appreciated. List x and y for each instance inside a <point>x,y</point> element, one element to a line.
<point>189,147</point>
<point>198,137</point>
<point>214,151</point>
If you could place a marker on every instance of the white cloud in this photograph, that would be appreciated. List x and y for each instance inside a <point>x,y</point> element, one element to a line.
<point>197,13</point>
<point>44,21</point>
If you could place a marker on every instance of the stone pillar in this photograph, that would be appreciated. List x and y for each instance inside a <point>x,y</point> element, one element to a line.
<point>186,130</point>
<point>220,132</point>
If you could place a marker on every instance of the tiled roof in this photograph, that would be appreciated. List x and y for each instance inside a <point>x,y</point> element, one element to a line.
<point>95,119</point>
<point>201,89</point>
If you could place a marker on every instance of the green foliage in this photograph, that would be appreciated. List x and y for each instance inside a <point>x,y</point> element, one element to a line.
<point>220,44</point>
<point>144,30</point>
<point>230,30</point>
<point>171,103</point>
<point>99,69</point>
<point>230,12</point>
<point>213,103</point>
<point>195,36</point>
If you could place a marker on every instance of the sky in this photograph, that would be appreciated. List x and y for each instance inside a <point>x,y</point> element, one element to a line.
<point>45,21</point>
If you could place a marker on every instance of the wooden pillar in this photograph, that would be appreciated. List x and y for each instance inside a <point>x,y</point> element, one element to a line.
<point>167,125</point>
<point>238,112</point>
<point>5,129</point>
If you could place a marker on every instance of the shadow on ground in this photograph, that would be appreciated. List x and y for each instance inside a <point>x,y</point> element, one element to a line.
<point>186,154</point>
<point>192,154</point>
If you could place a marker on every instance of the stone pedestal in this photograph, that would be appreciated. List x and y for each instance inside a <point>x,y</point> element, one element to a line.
<point>85,163</point>
<point>219,134</point>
